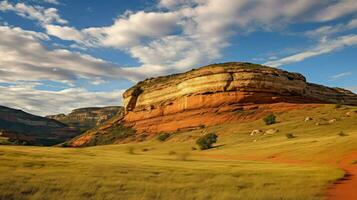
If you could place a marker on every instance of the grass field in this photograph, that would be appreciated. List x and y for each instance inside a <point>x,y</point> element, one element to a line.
<point>241,166</point>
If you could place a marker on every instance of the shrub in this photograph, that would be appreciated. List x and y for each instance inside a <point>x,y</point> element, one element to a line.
<point>270,119</point>
<point>339,105</point>
<point>206,141</point>
<point>163,136</point>
<point>290,136</point>
<point>131,150</point>
<point>342,134</point>
<point>145,149</point>
<point>172,153</point>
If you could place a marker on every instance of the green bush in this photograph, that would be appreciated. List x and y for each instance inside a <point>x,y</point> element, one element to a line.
<point>270,119</point>
<point>206,141</point>
<point>290,136</point>
<point>163,136</point>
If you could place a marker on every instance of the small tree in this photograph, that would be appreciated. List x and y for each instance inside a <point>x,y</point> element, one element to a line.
<point>270,119</point>
<point>206,141</point>
<point>163,136</point>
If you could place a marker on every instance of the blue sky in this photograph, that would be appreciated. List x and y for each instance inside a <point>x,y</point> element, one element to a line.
<point>57,55</point>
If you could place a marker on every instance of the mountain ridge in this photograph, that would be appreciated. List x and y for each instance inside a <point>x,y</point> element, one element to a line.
<point>19,127</point>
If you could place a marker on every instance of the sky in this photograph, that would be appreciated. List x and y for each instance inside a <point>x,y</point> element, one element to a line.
<point>58,55</point>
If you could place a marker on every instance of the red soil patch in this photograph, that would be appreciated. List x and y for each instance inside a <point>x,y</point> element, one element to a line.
<point>343,189</point>
<point>206,116</point>
<point>346,188</point>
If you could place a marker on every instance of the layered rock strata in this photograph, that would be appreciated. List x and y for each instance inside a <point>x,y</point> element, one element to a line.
<point>216,93</point>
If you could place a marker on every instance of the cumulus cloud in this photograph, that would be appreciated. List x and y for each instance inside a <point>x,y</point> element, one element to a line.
<point>26,97</point>
<point>128,30</point>
<point>39,13</point>
<point>64,32</point>
<point>326,46</point>
<point>23,57</point>
<point>193,32</point>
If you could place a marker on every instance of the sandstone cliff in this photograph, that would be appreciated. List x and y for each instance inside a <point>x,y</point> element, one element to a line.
<point>87,118</point>
<point>20,127</point>
<point>209,95</point>
<point>111,131</point>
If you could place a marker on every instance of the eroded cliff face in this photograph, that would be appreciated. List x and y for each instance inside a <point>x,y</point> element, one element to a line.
<point>87,118</point>
<point>216,93</point>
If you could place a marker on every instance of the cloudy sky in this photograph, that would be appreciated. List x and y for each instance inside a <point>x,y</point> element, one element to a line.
<point>57,55</point>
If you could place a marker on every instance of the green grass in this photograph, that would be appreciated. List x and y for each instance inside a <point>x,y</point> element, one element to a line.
<point>238,167</point>
<point>110,172</point>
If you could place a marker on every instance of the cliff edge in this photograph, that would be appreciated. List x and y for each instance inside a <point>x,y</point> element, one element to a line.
<point>210,94</point>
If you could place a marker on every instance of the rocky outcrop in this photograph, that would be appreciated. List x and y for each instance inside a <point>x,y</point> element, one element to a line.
<point>219,93</point>
<point>87,118</point>
<point>111,131</point>
<point>23,128</point>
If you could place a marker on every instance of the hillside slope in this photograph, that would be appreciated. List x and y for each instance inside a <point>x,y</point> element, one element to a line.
<point>242,165</point>
<point>18,127</point>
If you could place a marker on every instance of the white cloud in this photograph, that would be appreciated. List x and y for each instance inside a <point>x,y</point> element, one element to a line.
<point>43,15</point>
<point>324,47</point>
<point>336,10</point>
<point>332,29</point>
<point>171,4</point>
<point>191,32</point>
<point>341,75</point>
<point>52,1</point>
<point>23,57</point>
<point>26,97</point>
<point>64,32</point>
<point>127,30</point>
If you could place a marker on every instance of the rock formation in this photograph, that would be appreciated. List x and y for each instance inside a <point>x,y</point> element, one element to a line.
<point>218,93</point>
<point>109,132</point>
<point>87,118</point>
<point>20,127</point>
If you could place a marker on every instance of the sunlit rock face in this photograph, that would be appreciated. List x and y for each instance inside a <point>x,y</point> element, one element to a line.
<point>210,94</point>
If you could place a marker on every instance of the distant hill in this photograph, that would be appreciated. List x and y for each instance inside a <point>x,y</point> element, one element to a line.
<point>19,127</point>
<point>87,118</point>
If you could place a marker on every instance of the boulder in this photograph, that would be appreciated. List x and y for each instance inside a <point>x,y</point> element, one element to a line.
<point>271,131</point>
<point>332,121</point>
<point>256,132</point>
<point>308,119</point>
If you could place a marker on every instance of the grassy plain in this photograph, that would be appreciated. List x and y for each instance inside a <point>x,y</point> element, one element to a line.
<point>241,166</point>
